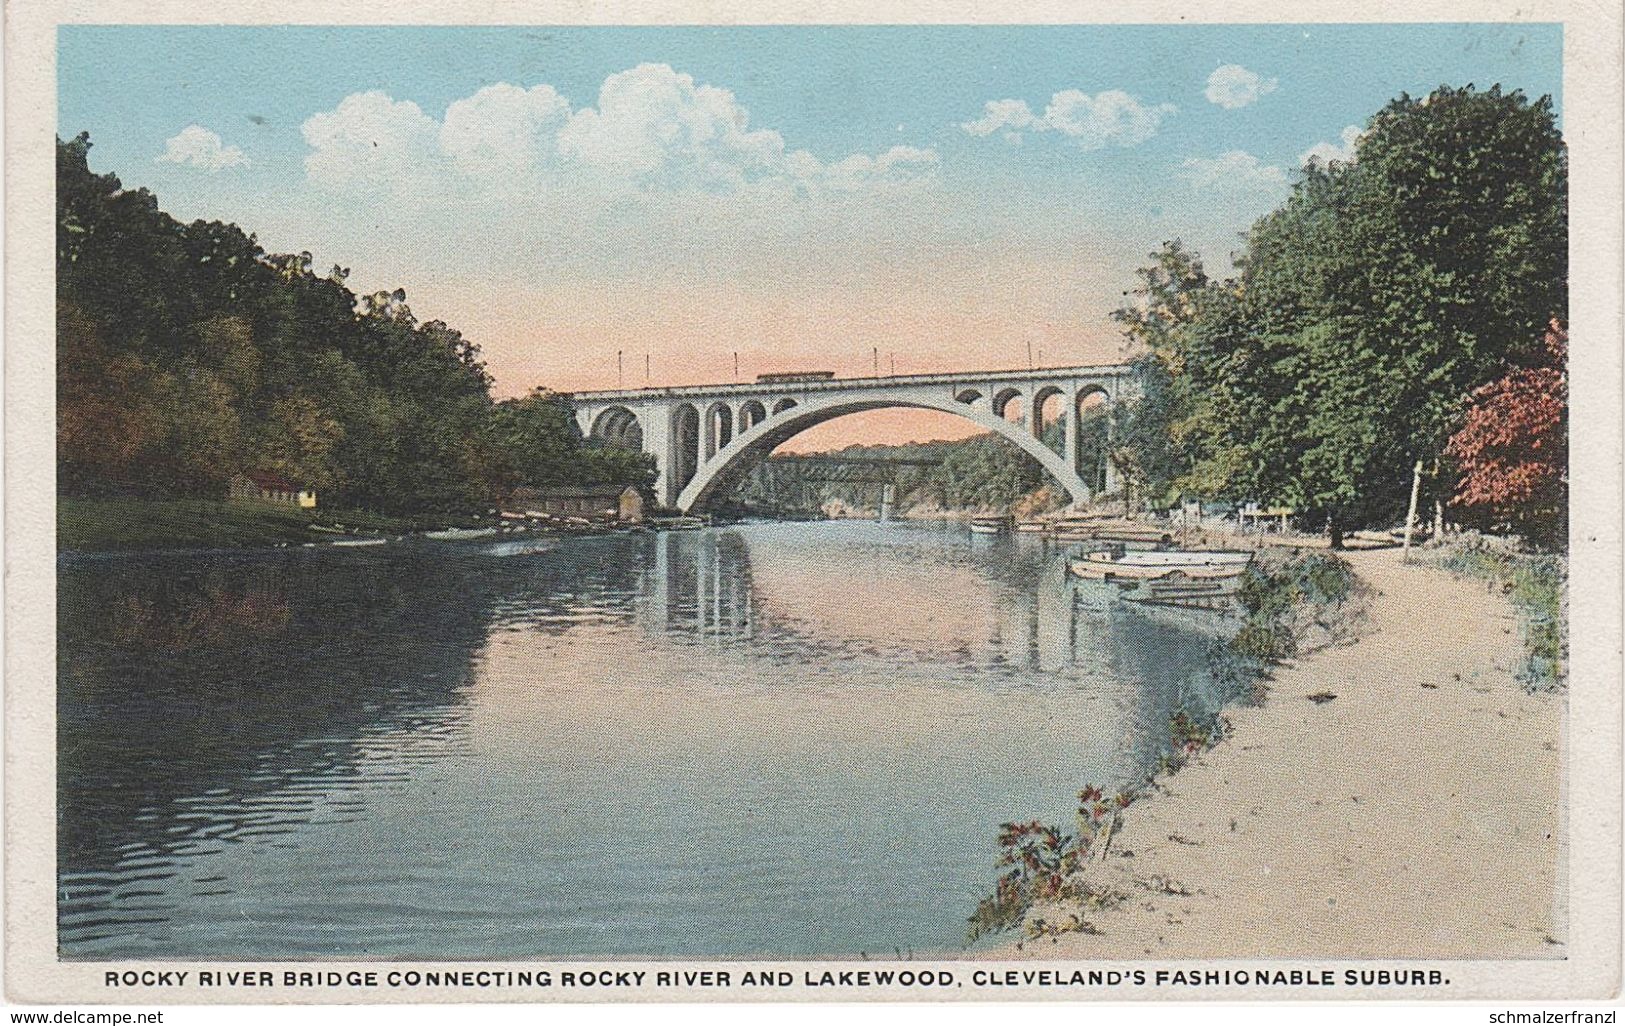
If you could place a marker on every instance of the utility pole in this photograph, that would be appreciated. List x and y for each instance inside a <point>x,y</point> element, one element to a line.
<point>875,352</point>
<point>645,368</point>
<point>620,376</point>
<point>736,365</point>
<point>1029,354</point>
<point>1410,517</point>
<point>894,365</point>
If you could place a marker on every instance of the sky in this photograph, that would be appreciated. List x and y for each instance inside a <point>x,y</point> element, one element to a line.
<point>796,198</point>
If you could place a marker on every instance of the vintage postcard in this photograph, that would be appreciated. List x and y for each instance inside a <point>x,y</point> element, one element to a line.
<point>733,503</point>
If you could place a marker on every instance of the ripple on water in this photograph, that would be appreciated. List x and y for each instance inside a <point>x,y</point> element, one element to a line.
<point>772,740</point>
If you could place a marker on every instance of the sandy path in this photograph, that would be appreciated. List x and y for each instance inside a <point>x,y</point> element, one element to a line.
<point>1398,820</point>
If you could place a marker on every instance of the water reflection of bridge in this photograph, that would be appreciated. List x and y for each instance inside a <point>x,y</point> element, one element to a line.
<point>1023,611</point>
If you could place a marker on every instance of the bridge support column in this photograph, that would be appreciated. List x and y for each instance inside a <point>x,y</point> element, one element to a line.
<point>656,423</point>
<point>1113,482</point>
<point>1073,433</point>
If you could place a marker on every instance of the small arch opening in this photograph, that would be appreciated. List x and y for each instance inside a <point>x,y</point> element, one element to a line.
<point>719,428</point>
<point>1094,436</point>
<point>751,413</point>
<point>618,427</point>
<point>685,445</point>
<point>1007,404</point>
<point>1049,417</point>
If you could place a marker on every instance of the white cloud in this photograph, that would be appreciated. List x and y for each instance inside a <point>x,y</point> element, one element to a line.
<point>1010,114</point>
<point>654,129</point>
<point>1109,118</point>
<point>1231,86</point>
<point>503,128</point>
<point>1326,153</point>
<point>198,147</point>
<point>1234,170</point>
<point>898,164</point>
<point>369,138</point>
<point>653,122</point>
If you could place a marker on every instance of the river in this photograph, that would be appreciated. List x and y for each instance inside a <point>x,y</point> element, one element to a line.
<point>770,740</point>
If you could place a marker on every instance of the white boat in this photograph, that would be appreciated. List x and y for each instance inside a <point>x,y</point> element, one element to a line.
<point>990,524</point>
<point>356,543</point>
<point>1151,566</point>
<point>460,533</point>
<point>681,523</point>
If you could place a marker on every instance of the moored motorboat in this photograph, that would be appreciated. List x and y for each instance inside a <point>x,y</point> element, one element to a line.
<point>1151,566</point>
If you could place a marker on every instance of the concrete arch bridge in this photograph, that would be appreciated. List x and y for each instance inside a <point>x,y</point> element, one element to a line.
<point>706,437</point>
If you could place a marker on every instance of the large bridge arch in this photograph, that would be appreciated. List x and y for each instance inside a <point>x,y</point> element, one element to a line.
<point>751,445</point>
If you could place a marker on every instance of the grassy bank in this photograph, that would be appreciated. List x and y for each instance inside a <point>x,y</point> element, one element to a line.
<point>1537,584</point>
<point>105,525</point>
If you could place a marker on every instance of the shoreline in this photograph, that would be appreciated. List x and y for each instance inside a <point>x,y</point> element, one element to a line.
<point>103,527</point>
<point>1414,815</point>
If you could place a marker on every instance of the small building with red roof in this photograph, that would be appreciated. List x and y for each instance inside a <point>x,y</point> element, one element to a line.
<point>264,486</point>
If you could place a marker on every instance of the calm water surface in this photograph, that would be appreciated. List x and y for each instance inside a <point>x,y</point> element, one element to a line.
<point>770,740</point>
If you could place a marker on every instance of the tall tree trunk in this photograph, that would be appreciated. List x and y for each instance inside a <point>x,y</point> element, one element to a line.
<point>1438,503</point>
<point>1410,515</point>
<point>1336,527</point>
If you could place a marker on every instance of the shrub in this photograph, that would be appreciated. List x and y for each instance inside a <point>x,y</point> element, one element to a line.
<point>1043,865</point>
<point>1537,585</point>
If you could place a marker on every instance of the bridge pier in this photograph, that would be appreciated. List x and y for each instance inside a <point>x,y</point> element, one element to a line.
<point>1069,449</point>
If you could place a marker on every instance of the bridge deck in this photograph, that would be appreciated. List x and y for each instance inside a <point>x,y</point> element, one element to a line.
<point>740,388</point>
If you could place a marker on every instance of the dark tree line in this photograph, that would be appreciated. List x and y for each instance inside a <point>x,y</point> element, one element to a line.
<point>186,353</point>
<point>982,472</point>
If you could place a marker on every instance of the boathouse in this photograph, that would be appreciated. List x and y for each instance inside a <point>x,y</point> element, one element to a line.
<point>616,502</point>
<point>268,487</point>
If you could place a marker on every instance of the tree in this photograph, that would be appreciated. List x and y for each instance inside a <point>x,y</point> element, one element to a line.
<point>541,445</point>
<point>1156,441</point>
<point>1511,451</point>
<point>186,353</point>
<point>1366,309</point>
<point>1443,251</point>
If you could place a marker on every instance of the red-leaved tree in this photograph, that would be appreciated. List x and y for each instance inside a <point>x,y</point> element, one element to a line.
<point>1512,450</point>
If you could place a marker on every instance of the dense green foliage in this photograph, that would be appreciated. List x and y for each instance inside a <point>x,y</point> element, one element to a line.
<point>542,445</point>
<point>1367,308</point>
<point>185,354</point>
<point>1282,599</point>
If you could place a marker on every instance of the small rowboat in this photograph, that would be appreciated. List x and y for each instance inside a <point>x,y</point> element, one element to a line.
<point>460,533</point>
<point>989,524</point>
<point>1139,535</point>
<point>1152,566</point>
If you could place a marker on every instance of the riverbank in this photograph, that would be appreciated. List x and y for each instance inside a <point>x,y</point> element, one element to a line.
<point>1416,814</point>
<point>110,525</point>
